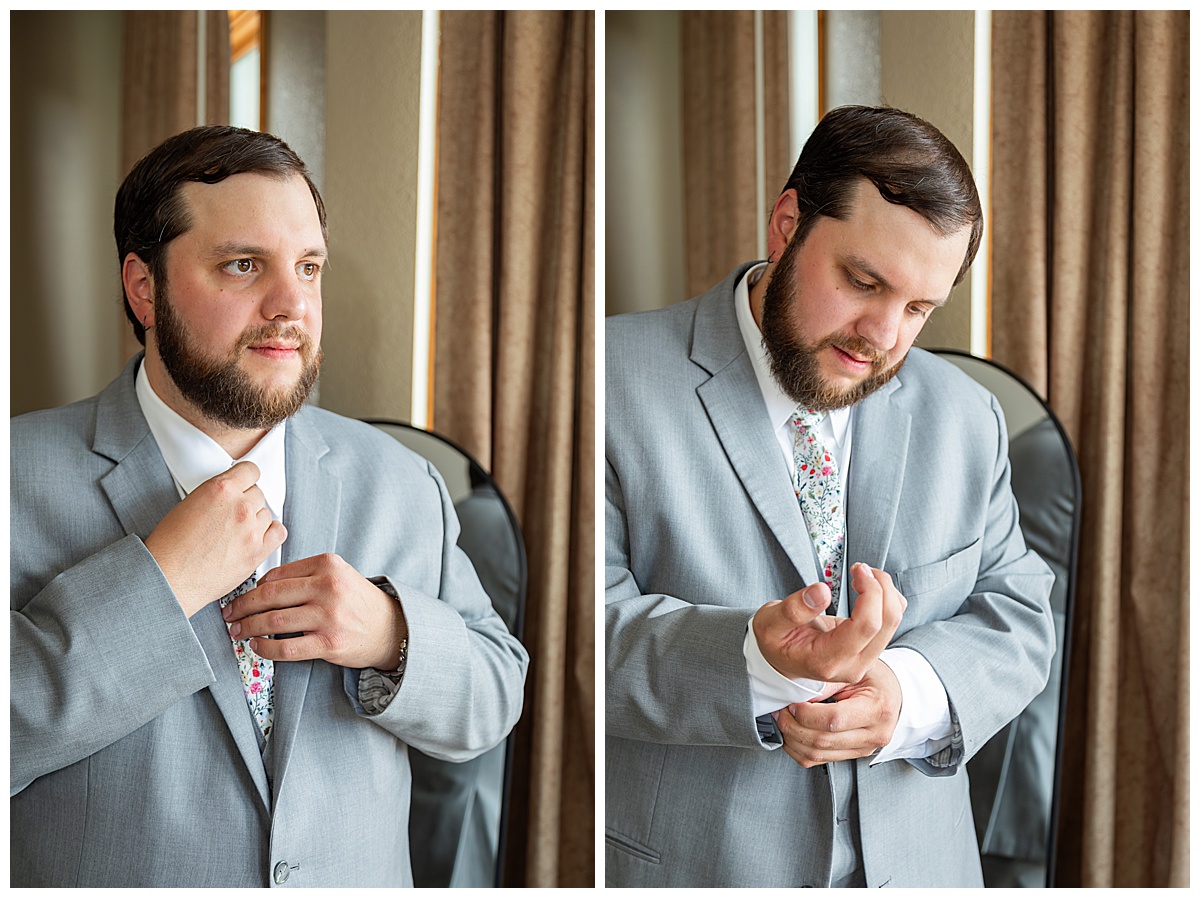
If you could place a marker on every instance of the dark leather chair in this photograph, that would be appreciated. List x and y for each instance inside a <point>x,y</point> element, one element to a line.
<point>1015,777</point>
<point>460,811</point>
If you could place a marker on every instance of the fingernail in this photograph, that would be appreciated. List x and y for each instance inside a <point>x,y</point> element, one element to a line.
<point>235,629</point>
<point>226,612</point>
<point>812,597</point>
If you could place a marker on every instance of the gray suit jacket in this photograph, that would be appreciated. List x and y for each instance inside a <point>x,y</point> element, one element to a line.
<point>134,757</point>
<point>702,527</point>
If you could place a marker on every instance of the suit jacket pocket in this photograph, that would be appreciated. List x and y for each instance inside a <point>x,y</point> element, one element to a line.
<point>629,846</point>
<point>633,774</point>
<point>960,570</point>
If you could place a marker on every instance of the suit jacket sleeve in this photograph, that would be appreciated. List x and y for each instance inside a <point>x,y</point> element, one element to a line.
<point>463,683</point>
<point>993,654</point>
<point>101,650</point>
<point>675,670</point>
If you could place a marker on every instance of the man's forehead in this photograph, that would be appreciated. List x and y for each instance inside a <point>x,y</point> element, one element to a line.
<point>896,246</point>
<point>253,202</point>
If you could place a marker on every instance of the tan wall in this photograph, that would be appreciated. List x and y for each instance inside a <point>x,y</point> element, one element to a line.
<point>295,83</point>
<point>65,294</point>
<point>373,65</point>
<point>643,226</point>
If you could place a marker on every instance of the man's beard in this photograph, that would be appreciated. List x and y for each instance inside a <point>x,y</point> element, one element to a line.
<point>220,388</point>
<point>795,363</point>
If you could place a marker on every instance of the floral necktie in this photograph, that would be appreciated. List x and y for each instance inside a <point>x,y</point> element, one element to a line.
<point>257,673</point>
<point>818,487</point>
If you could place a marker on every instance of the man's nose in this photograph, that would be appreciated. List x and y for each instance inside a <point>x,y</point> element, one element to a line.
<point>880,325</point>
<point>287,298</point>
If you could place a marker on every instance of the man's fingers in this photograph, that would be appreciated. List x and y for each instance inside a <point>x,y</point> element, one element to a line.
<point>894,603</point>
<point>868,606</point>
<point>877,613</point>
<point>804,604</point>
<point>807,756</point>
<point>829,717</point>
<point>302,567</point>
<point>274,537</point>
<point>245,474</point>
<point>298,648</point>
<point>777,624</point>
<point>814,739</point>
<point>890,612</point>
<point>274,621</point>
<point>863,580</point>
<point>270,596</point>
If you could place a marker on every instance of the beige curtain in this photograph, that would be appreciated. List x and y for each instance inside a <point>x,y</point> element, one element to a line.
<point>1090,303</point>
<point>719,136</point>
<point>514,375</point>
<point>160,69</point>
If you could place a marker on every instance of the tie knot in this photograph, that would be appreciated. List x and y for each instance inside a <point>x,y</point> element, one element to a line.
<point>806,417</point>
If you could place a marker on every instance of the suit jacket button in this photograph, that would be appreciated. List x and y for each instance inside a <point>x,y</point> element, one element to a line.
<point>281,873</point>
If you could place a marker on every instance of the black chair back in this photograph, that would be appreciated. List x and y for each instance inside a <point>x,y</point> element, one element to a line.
<point>459,815</point>
<point>1015,778</point>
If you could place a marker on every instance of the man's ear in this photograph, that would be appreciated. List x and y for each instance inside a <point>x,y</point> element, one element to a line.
<point>783,222</point>
<point>139,289</point>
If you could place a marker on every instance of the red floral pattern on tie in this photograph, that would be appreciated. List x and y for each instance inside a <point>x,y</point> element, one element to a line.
<point>257,673</point>
<point>818,487</point>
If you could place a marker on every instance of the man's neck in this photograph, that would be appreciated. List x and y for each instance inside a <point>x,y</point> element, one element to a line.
<point>235,441</point>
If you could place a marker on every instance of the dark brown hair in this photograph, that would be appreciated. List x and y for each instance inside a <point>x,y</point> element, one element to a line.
<point>150,210</point>
<point>908,160</point>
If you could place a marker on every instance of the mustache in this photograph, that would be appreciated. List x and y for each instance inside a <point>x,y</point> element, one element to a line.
<point>264,333</point>
<point>858,347</point>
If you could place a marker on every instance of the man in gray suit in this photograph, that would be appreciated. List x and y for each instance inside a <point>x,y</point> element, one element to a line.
<point>207,689</point>
<point>774,450</point>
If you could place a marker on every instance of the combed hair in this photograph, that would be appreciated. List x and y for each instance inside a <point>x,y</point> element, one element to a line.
<point>908,160</point>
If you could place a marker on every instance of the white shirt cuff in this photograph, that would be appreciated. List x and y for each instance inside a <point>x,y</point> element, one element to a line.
<point>769,689</point>
<point>924,727</point>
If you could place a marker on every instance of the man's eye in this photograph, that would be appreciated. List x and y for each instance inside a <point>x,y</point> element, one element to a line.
<point>308,270</point>
<point>920,311</point>
<point>240,266</point>
<point>857,284</point>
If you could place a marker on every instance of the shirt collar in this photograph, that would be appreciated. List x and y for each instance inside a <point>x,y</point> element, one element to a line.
<point>193,457</point>
<point>780,406</point>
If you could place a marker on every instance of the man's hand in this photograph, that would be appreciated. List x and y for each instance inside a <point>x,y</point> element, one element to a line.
<point>860,722</point>
<point>215,538</point>
<point>343,617</point>
<point>798,641</point>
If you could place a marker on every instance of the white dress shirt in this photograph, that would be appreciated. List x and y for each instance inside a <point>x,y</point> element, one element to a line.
<point>924,726</point>
<point>192,456</point>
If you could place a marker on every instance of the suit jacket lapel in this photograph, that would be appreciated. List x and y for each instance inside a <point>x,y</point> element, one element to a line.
<point>142,491</point>
<point>229,694</point>
<point>311,517</point>
<point>139,487</point>
<point>877,463</point>
<point>731,399</point>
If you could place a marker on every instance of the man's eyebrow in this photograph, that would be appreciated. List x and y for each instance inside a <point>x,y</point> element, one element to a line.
<point>234,248</point>
<point>866,268</point>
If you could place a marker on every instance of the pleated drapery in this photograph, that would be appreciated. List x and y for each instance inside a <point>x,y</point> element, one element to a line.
<point>514,376</point>
<point>720,136</point>
<point>159,80</point>
<point>1090,268</point>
